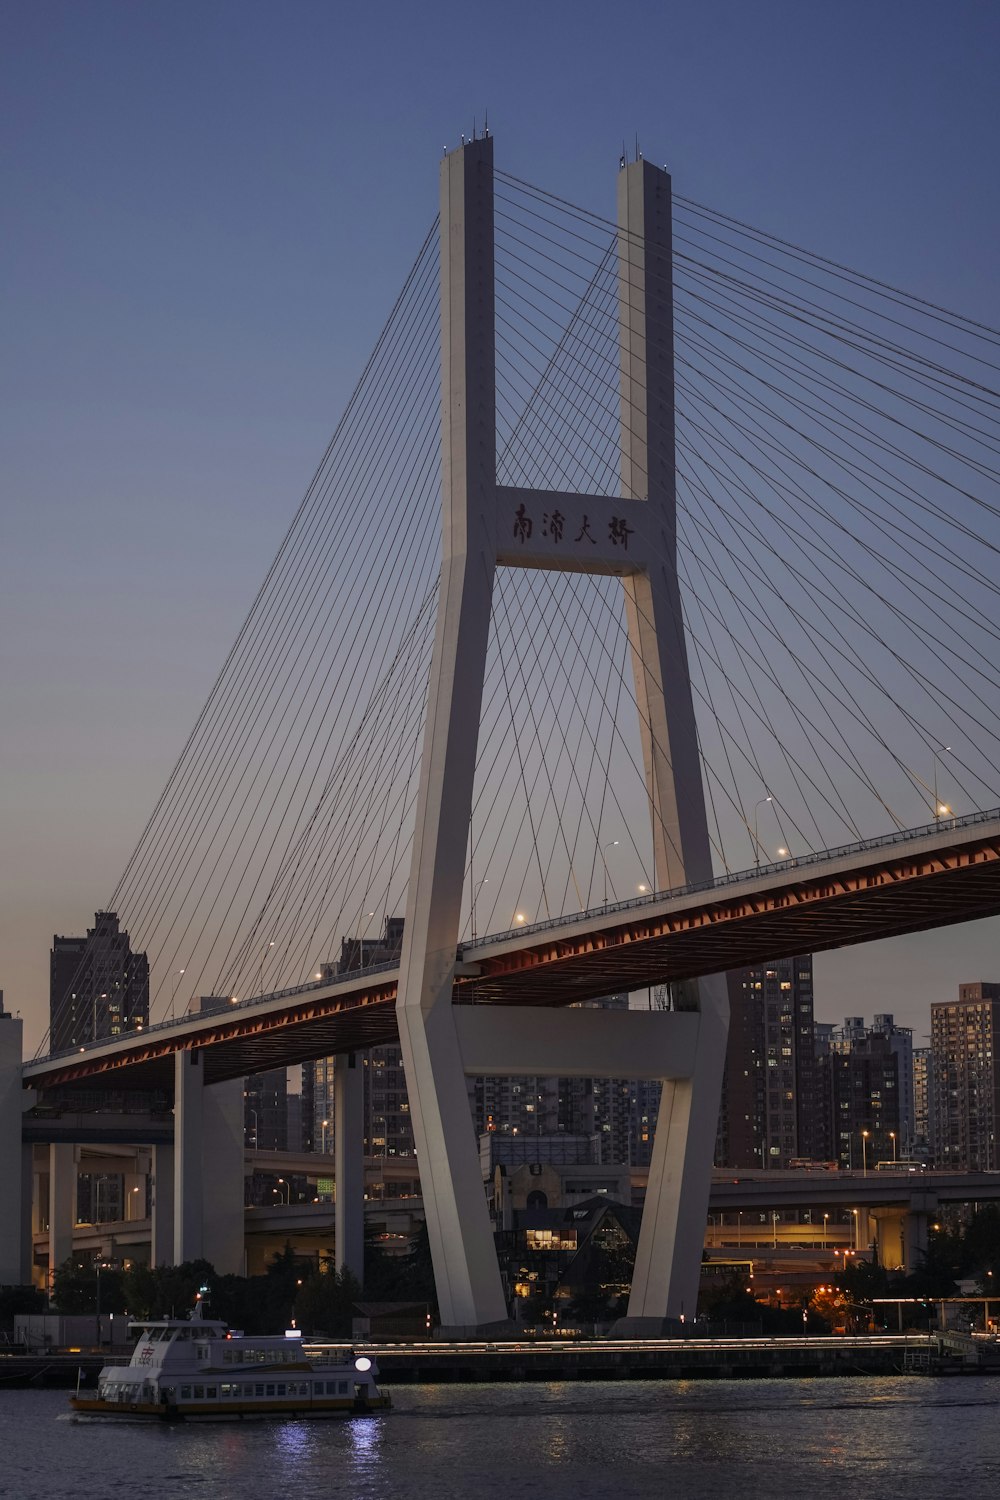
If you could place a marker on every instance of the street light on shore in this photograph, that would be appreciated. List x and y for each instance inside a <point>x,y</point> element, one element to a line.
<point>864,1152</point>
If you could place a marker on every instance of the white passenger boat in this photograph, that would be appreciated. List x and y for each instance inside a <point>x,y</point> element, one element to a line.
<point>193,1369</point>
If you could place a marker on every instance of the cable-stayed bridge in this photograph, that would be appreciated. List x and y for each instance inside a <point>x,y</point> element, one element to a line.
<point>907,882</point>
<point>715,589</point>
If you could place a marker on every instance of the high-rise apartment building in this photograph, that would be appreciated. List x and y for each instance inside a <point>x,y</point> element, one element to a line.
<point>900,1039</point>
<point>768,1116</point>
<point>858,1098</point>
<point>966,1081</point>
<point>862,1100</point>
<point>924,1137</point>
<point>97,986</point>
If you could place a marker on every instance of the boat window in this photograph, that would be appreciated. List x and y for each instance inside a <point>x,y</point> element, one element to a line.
<point>185,1393</point>
<point>211,1392</point>
<point>270,1390</point>
<point>342,1387</point>
<point>281,1390</point>
<point>199,1393</point>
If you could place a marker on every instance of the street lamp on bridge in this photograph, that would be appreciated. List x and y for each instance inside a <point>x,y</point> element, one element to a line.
<point>941,809</point>
<point>475,892</point>
<point>173,995</point>
<point>604,862</point>
<point>263,957</point>
<point>756,840</point>
<point>864,1152</point>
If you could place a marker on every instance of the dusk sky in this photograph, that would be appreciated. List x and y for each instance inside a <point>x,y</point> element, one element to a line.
<point>209,211</point>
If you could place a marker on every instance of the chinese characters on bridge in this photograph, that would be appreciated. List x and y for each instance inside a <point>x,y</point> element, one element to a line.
<point>553,526</point>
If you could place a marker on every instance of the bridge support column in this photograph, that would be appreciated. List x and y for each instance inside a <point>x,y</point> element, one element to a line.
<point>62,1204</point>
<point>189,1100</point>
<point>222,1176</point>
<point>12,1268</point>
<point>349,1165</point>
<point>890,1237</point>
<point>916,1235</point>
<point>161,1229</point>
<point>208,1167</point>
<point>27,1213</point>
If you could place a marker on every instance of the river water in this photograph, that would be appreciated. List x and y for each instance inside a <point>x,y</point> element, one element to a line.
<point>877,1438</point>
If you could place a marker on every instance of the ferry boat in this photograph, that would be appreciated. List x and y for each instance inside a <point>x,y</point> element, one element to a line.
<point>185,1369</point>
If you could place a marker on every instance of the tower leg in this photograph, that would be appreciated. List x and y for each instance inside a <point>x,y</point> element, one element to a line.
<point>466,1274</point>
<point>349,1165</point>
<point>665,1282</point>
<point>668,1259</point>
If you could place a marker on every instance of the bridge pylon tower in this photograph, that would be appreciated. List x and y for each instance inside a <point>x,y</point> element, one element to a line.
<point>441,1042</point>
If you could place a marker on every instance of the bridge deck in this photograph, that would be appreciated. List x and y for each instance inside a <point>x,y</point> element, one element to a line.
<point>930,877</point>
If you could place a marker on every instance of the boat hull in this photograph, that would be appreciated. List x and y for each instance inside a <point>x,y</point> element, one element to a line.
<point>229,1411</point>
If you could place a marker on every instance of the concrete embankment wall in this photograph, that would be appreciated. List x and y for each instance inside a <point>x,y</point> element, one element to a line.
<point>427,1364</point>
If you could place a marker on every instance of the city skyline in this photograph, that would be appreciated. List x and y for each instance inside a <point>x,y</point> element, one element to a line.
<point>188,324</point>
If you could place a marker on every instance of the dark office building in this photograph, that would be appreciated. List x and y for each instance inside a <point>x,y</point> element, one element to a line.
<point>768,1116</point>
<point>97,986</point>
<point>265,1111</point>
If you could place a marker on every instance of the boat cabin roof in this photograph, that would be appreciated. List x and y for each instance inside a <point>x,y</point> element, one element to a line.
<point>158,1330</point>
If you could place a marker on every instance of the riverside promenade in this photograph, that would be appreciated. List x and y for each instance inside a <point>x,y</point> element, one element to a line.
<point>435,1361</point>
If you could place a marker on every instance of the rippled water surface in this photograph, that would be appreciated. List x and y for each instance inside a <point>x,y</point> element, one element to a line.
<point>918,1438</point>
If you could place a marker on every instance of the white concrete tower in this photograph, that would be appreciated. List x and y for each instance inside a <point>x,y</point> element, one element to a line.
<point>632,536</point>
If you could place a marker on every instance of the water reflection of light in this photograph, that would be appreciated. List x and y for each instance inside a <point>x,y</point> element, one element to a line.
<point>366,1440</point>
<point>293,1440</point>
